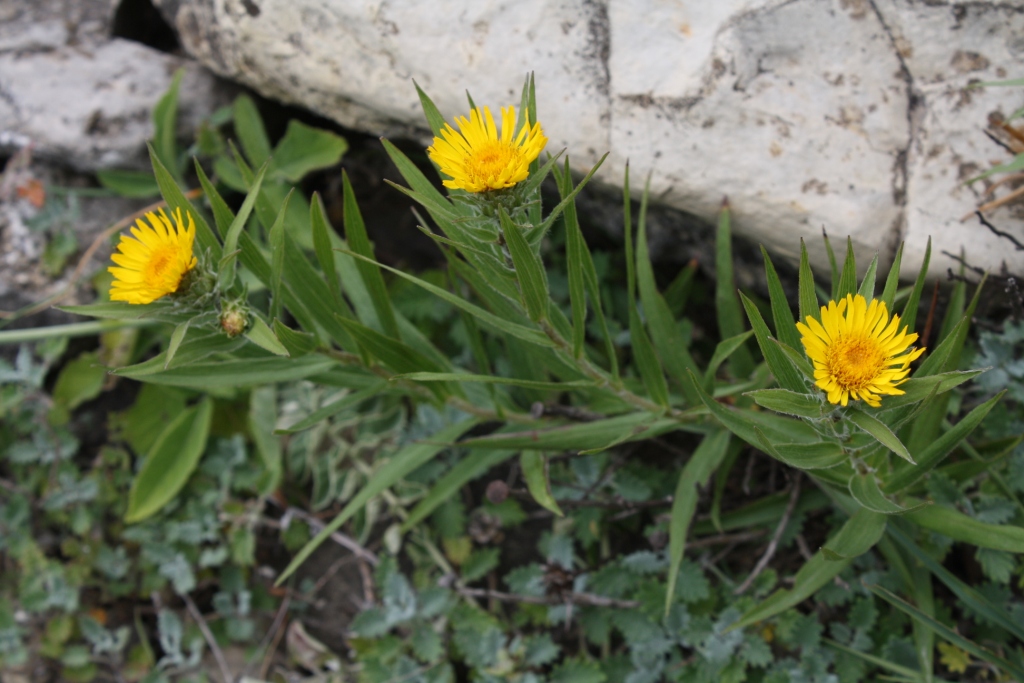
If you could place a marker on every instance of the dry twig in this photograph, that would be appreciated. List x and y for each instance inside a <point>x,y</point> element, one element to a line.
<point>222,664</point>
<point>794,496</point>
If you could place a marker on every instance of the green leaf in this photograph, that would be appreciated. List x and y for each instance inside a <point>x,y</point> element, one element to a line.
<point>833,266</point>
<point>131,184</point>
<point>222,213</point>
<point>79,381</point>
<point>430,111</point>
<point>864,489</point>
<point>878,429</point>
<point>782,315</point>
<point>892,282</point>
<point>262,417</point>
<point>727,304</point>
<point>177,337</point>
<point>250,131</point>
<point>304,149</point>
<point>488,319</point>
<point>308,292</point>
<point>277,252</point>
<point>226,273</point>
<point>805,456</point>
<point>968,595</point>
<point>723,350</point>
<point>695,475</point>
<point>867,285</point>
<point>848,277</point>
<point>165,124</point>
<point>242,372</point>
<point>574,247</point>
<point>471,467</point>
<point>322,230</point>
<point>176,200</point>
<point>259,333</point>
<point>397,355</point>
<point>949,634</point>
<point>534,466</point>
<point>808,298</point>
<point>533,282</point>
<point>858,535</point>
<point>664,332</point>
<point>334,407</point>
<point>917,389</point>
<point>359,242</point>
<point>560,207</point>
<point>584,436</point>
<point>491,379</point>
<point>939,448</point>
<point>647,361</point>
<point>909,316</point>
<point>784,372</point>
<point>297,343</point>
<point>960,527</point>
<point>170,462</point>
<point>407,459</point>
<point>791,402</point>
<point>742,423</point>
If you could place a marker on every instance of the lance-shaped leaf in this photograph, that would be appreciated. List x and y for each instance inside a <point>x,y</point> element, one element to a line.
<point>226,273</point>
<point>698,469</point>
<point>587,435</point>
<point>493,379</point>
<point>334,407</point>
<point>407,459</point>
<point>466,470</point>
<point>892,282</point>
<point>778,363</point>
<point>297,343</point>
<point>488,319</point>
<point>276,240</point>
<point>222,213</point>
<point>250,131</point>
<point>867,285</point>
<point>848,278</point>
<point>727,305</point>
<point>808,298</point>
<point>791,402</point>
<point>259,333</point>
<point>665,334</point>
<point>165,124</point>
<point>359,242</point>
<point>949,634</point>
<point>177,337</point>
<point>534,466</point>
<point>805,456</point>
<point>229,374</point>
<point>909,316</point>
<point>533,281</point>
<point>864,489</point>
<point>960,527</point>
<point>785,326</point>
<point>574,246</point>
<point>723,350</point>
<point>917,389</point>
<point>878,429</point>
<point>938,449</point>
<point>170,462</point>
<point>968,595</point>
<point>858,535</point>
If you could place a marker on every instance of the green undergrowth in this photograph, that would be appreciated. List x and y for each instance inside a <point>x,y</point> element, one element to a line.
<point>535,463</point>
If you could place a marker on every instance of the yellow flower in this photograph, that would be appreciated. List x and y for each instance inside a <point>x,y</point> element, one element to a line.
<point>858,354</point>
<point>154,262</point>
<point>478,160</point>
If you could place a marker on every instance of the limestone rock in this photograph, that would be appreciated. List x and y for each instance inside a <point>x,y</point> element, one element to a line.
<point>848,115</point>
<point>80,97</point>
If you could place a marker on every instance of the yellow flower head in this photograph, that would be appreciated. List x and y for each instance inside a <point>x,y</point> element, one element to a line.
<point>861,354</point>
<point>154,262</point>
<point>478,159</point>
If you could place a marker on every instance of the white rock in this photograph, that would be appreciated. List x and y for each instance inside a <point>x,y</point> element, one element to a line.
<point>848,115</point>
<point>80,97</point>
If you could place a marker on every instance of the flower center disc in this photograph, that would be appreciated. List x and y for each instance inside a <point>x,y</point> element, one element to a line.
<point>491,160</point>
<point>855,361</point>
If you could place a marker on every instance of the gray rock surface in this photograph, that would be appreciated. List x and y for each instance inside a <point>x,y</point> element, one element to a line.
<point>850,115</point>
<point>80,97</point>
